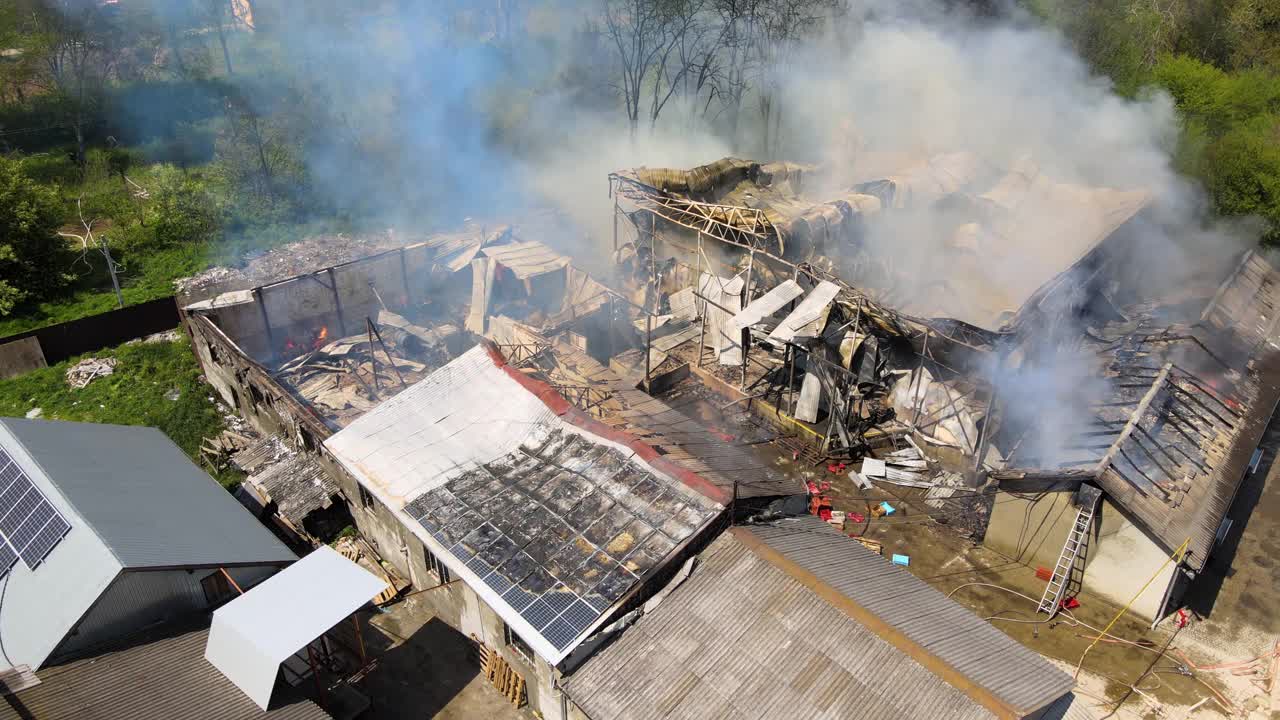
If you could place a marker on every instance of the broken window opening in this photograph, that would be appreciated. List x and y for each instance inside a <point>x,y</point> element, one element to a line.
<point>514,641</point>
<point>217,590</point>
<point>436,567</point>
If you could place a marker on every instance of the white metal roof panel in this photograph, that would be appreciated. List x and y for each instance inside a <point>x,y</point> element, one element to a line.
<point>527,259</point>
<point>257,631</point>
<point>765,305</point>
<point>813,308</point>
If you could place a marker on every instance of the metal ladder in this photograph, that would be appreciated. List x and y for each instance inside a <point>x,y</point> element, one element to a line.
<point>1076,545</point>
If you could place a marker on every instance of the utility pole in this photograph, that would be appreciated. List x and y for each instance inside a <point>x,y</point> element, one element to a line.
<point>111,269</point>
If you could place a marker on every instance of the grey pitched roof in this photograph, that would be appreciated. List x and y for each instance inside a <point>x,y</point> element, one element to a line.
<point>1015,674</point>
<point>751,635</point>
<point>144,498</point>
<point>165,679</point>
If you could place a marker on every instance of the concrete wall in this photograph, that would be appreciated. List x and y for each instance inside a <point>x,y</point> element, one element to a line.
<point>1032,528</point>
<point>140,598</point>
<point>456,603</point>
<point>1124,561</point>
<point>265,320</point>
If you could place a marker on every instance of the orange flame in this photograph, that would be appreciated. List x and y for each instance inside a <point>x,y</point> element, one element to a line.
<point>320,336</point>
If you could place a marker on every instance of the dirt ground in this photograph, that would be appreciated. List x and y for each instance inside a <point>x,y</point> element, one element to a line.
<point>426,669</point>
<point>1145,681</point>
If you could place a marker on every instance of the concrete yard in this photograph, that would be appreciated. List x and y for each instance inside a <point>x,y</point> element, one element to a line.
<point>426,669</point>
<point>1239,628</point>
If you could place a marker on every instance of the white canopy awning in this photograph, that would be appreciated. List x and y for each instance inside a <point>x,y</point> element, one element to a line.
<point>257,631</point>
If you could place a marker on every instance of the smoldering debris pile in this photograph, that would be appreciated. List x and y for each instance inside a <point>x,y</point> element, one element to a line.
<point>304,256</point>
<point>349,376</point>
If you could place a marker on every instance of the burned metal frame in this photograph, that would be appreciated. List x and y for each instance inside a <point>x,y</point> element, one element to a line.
<point>731,223</point>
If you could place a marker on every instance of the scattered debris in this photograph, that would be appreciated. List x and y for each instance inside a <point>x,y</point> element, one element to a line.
<point>351,375</point>
<point>313,253</point>
<point>160,337</point>
<point>34,413</point>
<point>173,395</point>
<point>874,546</point>
<point>945,485</point>
<point>903,560</point>
<point>218,450</point>
<point>88,370</point>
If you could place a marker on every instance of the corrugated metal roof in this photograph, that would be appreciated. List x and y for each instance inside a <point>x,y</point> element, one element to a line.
<point>144,498</point>
<point>743,637</point>
<point>527,259</point>
<point>1199,399</point>
<point>1012,672</point>
<point>164,679</point>
<point>255,632</point>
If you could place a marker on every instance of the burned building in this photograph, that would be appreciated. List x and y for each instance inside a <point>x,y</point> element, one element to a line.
<point>896,303</point>
<point>333,355</point>
<point>1169,442</point>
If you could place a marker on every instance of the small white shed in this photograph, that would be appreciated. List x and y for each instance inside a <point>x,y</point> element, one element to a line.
<point>252,635</point>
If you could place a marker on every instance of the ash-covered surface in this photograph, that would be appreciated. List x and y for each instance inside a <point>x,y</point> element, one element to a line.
<point>314,253</point>
<point>326,250</point>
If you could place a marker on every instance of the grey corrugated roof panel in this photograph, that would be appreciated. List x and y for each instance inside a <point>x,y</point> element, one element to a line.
<point>753,634</point>
<point>144,498</point>
<point>163,679</point>
<point>1008,670</point>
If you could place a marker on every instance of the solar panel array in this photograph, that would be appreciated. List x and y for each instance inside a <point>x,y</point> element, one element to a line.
<point>561,529</point>
<point>31,527</point>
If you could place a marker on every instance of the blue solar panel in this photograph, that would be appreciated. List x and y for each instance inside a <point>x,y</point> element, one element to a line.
<point>580,614</point>
<point>539,614</point>
<point>43,543</point>
<point>31,526</point>
<point>479,566</point>
<point>518,599</point>
<point>499,583</point>
<point>10,473</point>
<point>16,513</point>
<point>559,599</point>
<point>561,633</point>
<point>16,489</point>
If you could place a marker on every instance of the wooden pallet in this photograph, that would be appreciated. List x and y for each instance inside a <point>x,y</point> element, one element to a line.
<point>353,551</point>
<point>501,675</point>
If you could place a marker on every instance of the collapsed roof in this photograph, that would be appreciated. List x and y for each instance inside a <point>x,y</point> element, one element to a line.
<point>1186,408</point>
<point>982,241</point>
<point>551,517</point>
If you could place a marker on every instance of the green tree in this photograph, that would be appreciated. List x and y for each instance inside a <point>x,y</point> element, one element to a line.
<point>183,210</point>
<point>1243,171</point>
<point>33,259</point>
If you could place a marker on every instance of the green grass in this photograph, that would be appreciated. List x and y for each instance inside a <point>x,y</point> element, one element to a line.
<point>148,267</point>
<point>133,395</point>
<point>144,276</point>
